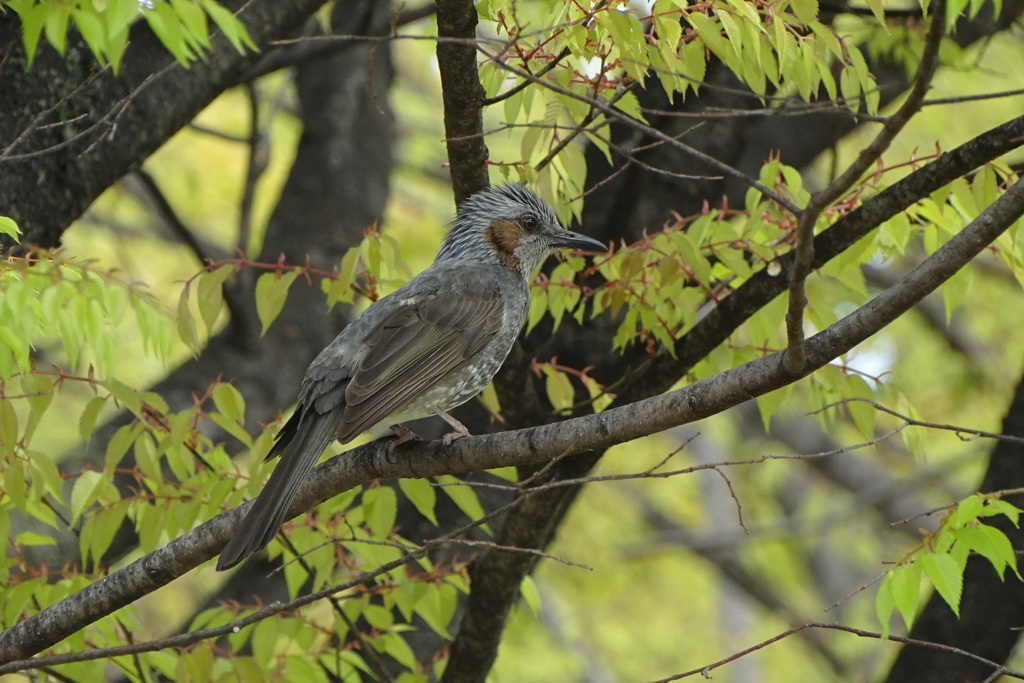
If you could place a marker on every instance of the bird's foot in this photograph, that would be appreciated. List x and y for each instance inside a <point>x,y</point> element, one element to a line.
<point>458,429</point>
<point>402,435</point>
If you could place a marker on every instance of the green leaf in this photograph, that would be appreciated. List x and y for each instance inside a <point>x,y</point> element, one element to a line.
<point>119,445</point>
<point>463,496</point>
<point>232,427</point>
<point>185,324</point>
<point>805,10</point>
<point>32,20</point>
<point>230,25</point>
<point>169,30</point>
<point>531,596</point>
<point>15,484</point>
<point>437,608</point>
<point>9,227</point>
<point>32,538</point>
<point>380,505</point>
<point>147,459</point>
<point>422,495</point>
<point>125,395</point>
<point>863,415</point>
<point>945,575</point>
<point>876,8</point>
<point>45,471</point>
<point>992,544</point>
<point>711,35</point>
<point>229,402</point>
<point>87,421</point>
<point>210,296</point>
<point>93,31</point>
<point>86,491</point>
<point>559,388</point>
<point>1001,507</point>
<point>906,590</point>
<point>56,26</point>
<point>967,510</point>
<point>271,293</point>
<point>8,426</point>
<point>264,639</point>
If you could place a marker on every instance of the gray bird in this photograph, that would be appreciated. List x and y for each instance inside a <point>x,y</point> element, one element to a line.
<point>426,348</point>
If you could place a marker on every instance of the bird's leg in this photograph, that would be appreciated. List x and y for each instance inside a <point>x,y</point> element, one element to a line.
<point>403,434</point>
<point>458,429</point>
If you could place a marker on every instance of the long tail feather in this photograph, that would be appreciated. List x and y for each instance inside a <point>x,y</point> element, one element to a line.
<point>311,436</point>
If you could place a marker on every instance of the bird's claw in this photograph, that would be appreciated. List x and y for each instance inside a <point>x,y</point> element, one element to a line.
<point>458,429</point>
<point>403,435</point>
<point>454,435</point>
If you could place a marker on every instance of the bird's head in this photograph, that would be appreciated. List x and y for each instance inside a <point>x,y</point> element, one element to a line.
<point>512,225</point>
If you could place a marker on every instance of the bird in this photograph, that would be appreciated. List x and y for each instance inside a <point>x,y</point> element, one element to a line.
<point>429,346</point>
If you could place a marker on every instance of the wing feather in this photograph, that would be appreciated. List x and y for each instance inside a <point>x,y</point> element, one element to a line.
<point>413,349</point>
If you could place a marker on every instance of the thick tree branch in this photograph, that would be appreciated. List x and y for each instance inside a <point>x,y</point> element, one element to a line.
<point>593,432</point>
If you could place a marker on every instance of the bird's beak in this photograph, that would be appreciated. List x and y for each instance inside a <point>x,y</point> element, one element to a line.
<point>574,240</point>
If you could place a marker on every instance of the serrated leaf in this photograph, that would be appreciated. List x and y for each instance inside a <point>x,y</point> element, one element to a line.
<point>229,402</point>
<point>231,26</point>
<point>87,421</point>
<point>15,484</point>
<point>967,510</point>
<point>422,495</point>
<point>32,538</point>
<point>531,596</point>
<point>559,389</point>
<point>56,26</point>
<point>119,444</point>
<point>380,505</point>
<point>464,497</point>
<point>805,10</point>
<point>210,295</point>
<point>87,489</point>
<point>863,415</point>
<point>9,227</point>
<point>945,575</point>
<point>233,428</point>
<point>45,471</point>
<point>906,590</point>
<point>1001,507</point>
<point>147,459</point>
<point>125,395</point>
<point>271,293</point>
<point>186,326</point>
<point>8,426</point>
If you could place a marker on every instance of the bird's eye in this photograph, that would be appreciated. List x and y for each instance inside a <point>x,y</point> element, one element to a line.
<point>530,223</point>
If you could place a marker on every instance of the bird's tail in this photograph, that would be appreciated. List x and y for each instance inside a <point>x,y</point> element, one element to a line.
<point>312,435</point>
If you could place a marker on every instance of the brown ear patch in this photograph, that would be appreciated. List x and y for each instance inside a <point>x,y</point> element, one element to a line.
<point>503,235</point>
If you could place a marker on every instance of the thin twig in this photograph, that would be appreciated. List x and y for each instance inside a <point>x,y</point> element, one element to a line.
<point>705,671</point>
<point>522,85</point>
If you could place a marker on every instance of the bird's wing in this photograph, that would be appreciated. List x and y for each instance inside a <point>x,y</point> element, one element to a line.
<point>413,347</point>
